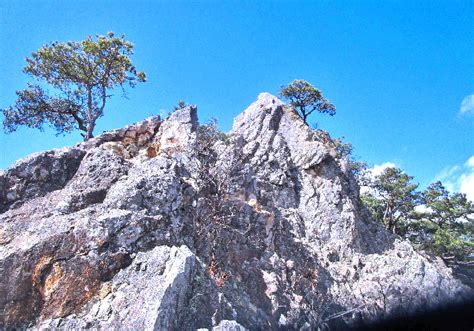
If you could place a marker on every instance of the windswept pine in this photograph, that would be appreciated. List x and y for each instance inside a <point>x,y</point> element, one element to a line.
<point>81,76</point>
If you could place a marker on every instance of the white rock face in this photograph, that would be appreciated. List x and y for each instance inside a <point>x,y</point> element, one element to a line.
<point>178,131</point>
<point>168,225</point>
<point>144,296</point>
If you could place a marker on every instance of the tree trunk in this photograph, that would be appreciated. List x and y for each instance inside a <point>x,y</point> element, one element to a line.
<point>388,218</point>
<point>90,117</point>
<point>304,115</point>
<point>90,129</point>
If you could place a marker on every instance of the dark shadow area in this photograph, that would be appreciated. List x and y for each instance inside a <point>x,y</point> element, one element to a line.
<point>464,271</point>
<point>458,316</point>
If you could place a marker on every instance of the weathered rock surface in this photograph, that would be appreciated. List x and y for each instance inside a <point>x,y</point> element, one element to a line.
<point>174,226</point>
<point>38,174</point>
<point>146,295</point>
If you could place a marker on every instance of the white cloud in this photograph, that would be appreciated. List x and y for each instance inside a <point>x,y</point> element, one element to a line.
<point>379,168</point>
<point>371,173</point>
<point>459,178</point>
<point>450,186</point>
<point>470,162</point>
<point>447,172</point>
<point>423,209</point>
<point>467,105</point>
<point>466,185</point>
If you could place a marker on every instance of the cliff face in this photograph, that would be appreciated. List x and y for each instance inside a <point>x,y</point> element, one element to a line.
<point>170,225</point>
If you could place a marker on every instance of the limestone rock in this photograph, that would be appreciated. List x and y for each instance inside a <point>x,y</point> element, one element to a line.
<point>178,131</point>
<point>226,325</point>
<point>164,225</point>
<point>144,296</point>
<point>37,175</point>
<point>99,169</point>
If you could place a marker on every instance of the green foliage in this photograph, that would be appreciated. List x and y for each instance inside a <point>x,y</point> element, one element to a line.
<point>82,74</point>
<point>345,151</point>
<point>306,99</point>
<point>374,205</point>
<point>445,224</point>
<point>34,107</point>
<point>396,195</point>
<point>181,104</point>
<point>447,243</point>
<point>446,227</point>
<point>208,134</point>
<point>446,209</point>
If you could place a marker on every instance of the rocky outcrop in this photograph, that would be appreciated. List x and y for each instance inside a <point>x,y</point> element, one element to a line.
<point>169,225</point>
<point>37,175</point>
<point>146,295</point>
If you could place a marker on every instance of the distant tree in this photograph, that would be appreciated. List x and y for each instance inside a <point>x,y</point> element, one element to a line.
<point>444,208</point>
<point>445,226</point>
<point>393,198</point>
<point>82,74</point>
<point>306,99</point>
<point>434,220</point>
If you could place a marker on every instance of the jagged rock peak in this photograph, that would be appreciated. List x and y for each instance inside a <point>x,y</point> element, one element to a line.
<point>161,226</point>
<point>178,130</point>
<point>268,105</point>
<point>265,104</point>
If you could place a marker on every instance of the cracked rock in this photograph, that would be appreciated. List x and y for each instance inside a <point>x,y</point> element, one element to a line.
<point>169,225</point>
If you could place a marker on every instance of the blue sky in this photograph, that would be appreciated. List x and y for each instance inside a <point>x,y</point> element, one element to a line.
<point>397,71</point>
